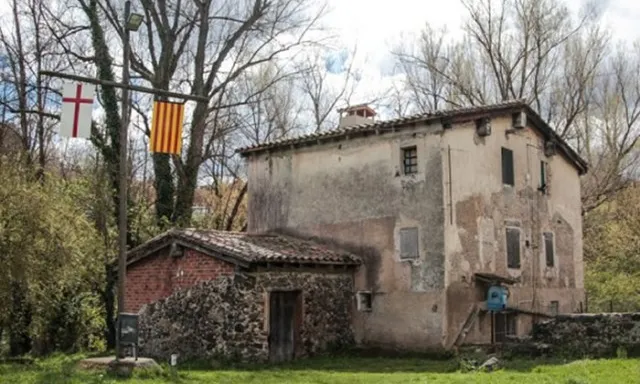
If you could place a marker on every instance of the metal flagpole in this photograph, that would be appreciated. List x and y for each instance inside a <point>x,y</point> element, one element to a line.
<point>131,87</point>
<point>122,182</point>
<point>128,25</point>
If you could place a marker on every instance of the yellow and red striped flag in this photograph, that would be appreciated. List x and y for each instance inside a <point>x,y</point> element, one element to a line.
<point>166,127</point>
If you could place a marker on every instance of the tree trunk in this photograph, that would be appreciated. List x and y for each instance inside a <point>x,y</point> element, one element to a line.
<point>236,207</point>
<point>165,189</point>
<point>19,321</point>
<point>108,299</point>
<point>189,176</point>
<point>186,191</point>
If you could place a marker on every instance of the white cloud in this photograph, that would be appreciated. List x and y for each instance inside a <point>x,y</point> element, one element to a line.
<point>377,26</point>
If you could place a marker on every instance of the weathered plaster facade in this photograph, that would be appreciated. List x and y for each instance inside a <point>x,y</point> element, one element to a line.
<point>352,191</point>
<point>478,208</point>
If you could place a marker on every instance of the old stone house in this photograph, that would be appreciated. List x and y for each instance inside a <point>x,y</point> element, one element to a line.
<point>441,206</point>
<point>429,212</point>
<point>249,296</point>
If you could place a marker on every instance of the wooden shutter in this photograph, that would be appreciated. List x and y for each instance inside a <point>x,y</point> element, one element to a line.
<point>409,243</point>
<point>513,247</point>
<point>548,249</point>
<point>507,167</point>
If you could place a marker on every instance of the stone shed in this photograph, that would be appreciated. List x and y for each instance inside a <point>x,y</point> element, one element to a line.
<point>253,297</point>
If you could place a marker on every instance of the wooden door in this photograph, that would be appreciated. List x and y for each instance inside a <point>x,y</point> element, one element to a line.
<point>282,325</point>
<point>504,325</point>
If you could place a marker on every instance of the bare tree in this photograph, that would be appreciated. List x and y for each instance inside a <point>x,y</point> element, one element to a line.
<point>323,96</point>
<point>204,47</point>
<point>517,49</point>
<point>28,48</point>
<point>609,130</point>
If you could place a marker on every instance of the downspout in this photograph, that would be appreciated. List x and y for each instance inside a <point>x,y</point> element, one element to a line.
<point>450,186</point>
<point>533,232</point>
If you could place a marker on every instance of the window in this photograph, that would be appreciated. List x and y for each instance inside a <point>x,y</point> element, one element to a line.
<point>409,243</point>
<point>548,248</point>
<point>513,247</point>
<point>507,167</point>
<point>410,160</point>
<point>364,301</point>
<point>504,326</point>
<point>554,307</point>
<point>543,176</point>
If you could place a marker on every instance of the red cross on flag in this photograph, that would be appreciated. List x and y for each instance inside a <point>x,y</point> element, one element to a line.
<point>77,104</point>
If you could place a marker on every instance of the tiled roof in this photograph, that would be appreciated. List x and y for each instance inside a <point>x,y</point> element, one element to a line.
<point>246,249</point>
<point>381,126</point>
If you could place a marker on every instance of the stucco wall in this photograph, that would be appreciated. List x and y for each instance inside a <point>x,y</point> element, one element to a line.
<point>228,317</point>
<point>353,192</point>
<point>478,207</point>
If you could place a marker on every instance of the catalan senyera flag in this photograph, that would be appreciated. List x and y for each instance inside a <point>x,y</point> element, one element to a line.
<point>166,127</point>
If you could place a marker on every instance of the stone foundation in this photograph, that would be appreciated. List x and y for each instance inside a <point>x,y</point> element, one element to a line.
<point>593,335</point>
<point>225,317</point>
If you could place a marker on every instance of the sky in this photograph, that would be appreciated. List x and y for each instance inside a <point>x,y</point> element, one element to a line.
<point>374,27</point>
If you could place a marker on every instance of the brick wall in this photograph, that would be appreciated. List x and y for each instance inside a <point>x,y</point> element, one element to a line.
<point>158,276</point>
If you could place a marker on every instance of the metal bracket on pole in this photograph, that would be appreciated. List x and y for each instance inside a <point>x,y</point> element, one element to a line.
<point>130,87</point>
<point>122,182</point>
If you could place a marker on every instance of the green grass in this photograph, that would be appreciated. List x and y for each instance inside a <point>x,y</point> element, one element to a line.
<point>61,369</point>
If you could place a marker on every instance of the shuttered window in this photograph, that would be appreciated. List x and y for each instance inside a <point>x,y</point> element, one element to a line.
<point>513,247</point>
<point>409,243</point>
<point>507,167</point>
<point>548,248</point>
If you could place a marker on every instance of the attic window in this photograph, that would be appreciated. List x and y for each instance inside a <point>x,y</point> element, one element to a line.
<point>364,301</point>
<point>410,160</point>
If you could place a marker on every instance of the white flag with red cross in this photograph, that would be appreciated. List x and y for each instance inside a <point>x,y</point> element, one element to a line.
<point>77,104</point>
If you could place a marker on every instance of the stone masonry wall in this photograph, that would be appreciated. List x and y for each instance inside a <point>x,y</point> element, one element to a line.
<point>594,335</point>
<point>225,317</point>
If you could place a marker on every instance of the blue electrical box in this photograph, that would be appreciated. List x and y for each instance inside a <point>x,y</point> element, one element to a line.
<point>496,298</point>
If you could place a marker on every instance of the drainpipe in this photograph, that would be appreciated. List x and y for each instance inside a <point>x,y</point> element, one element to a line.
<point>533,230</point>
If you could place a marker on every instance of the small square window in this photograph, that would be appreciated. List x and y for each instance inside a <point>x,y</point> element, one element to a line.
<point>364,301</point>
<point>513,247</point>
<point>409,243</point>
<point>410,160</point>
<point>508,176</point>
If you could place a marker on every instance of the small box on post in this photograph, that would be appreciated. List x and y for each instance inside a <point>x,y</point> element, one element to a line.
<point>128,331</point>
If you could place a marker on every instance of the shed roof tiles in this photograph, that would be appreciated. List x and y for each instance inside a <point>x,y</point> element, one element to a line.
<point>245,248</point>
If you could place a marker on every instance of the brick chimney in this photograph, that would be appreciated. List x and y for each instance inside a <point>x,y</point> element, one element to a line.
<point>356,115</point>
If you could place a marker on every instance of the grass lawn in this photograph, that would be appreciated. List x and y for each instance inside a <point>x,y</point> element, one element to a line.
<point>342,370</point>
